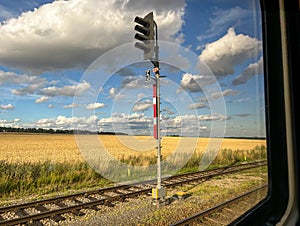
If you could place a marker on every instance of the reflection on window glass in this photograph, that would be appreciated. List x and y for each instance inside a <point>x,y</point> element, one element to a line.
<point>78,110</point>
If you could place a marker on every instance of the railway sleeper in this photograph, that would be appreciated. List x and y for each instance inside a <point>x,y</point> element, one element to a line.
<point>121,198</point>
<point>94,208</point>
<point>229,214</point>
<point>109,204</point>
<point>78,213</point>
<point>41,208</point>
<point>21,213</point>
<point>221,216</point>
<point>61,205</point>
<point>57,218</point>
<point>216,222</point>
<point>119,192</point>
<point>118,198</point>
<point>77,201</point>
<point>234,211</point>
<point>92,199</point>
<point>75,212</point>
<point>35,223</point>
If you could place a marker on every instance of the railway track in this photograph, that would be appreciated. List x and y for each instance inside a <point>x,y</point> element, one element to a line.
<point>33,213</point>
<point>226,212</point>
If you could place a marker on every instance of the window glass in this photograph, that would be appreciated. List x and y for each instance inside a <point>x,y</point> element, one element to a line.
<point>78,97</point>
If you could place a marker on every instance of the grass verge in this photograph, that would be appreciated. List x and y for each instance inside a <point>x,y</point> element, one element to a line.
<point>22,179</point>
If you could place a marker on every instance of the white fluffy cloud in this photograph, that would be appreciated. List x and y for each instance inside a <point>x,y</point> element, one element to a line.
<point>119,121</point>
<point>94,106</point>
<point>6,107</point>
<point>122,118</point>
<point>71,106</point>
<point>186,125</point>
<point>132,82</point>
<point>63,122</point>
<point>67,34</point>
<point>36,84</point>
<point>197,105</point>
<point>66,90</point>
<point>112,92</point>
<point>227,92</point>
<point>9,123</point>
<point>29,83</point>
<point>249,72</point>
<point>42,99</point>
<point>229,51</point>
<point>135,123</point>
<point>139,123</point>
<point>214,117</point>
<point>142,106</point>
<point>195,83</point>
<point>14,78</point>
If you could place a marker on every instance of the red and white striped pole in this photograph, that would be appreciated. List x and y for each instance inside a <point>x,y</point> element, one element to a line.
<point>155,118</point>
<point>156,129</point>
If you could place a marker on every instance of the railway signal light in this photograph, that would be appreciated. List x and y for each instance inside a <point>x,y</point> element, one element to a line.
<point>148,75</point>
<point>145,28</point>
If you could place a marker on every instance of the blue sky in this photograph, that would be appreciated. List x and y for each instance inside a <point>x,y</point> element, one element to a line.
<point>72,64</point>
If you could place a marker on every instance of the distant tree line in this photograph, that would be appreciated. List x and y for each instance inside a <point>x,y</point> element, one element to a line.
<point>53,131</point>
<point>34,130</point>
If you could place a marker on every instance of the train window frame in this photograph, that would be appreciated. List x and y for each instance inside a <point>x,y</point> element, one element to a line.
<point>281,47</point>
<point>280,23</point>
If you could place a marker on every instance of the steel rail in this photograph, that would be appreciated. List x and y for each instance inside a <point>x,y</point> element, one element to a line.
<point>118,195</point>
<point>196,216</point>
<point>211,173</point>
<point>60,198</point>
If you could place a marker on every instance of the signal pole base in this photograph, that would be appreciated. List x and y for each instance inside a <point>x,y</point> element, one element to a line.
<point>159,197</point>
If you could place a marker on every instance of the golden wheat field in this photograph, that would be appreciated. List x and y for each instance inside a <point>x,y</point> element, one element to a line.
<point>69,148</point>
